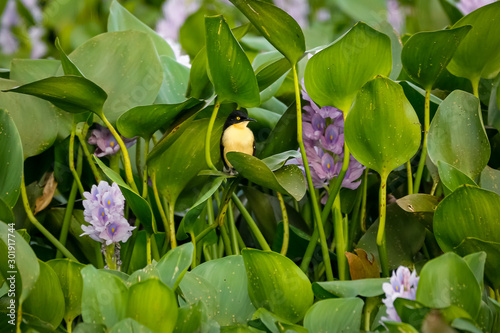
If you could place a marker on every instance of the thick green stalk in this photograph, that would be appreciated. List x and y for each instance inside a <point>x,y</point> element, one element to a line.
<point>286,227</point>
<point>251,223</point>
<point>208,158</point>
<point>410,177</point>
<point>381,240</point>
<point>126,157</point>
<point>423,155</point>
<point>475,86</point>
<point>340,242</point>
<point>232,229</point>
<point>193,240</point>
<point>90,160</point>
<point>225,239</point>
<point>154,248</point>
<point>110,256</point>
<point>363,200</point>
<point>148,249</point>
<point>40,227</point>
<point>69,325</point>
<point>160,209</point>
<point>145,175</point>
<point>314,201</point>
<point>98,255</point>
<point>171,223</point>
<point>68,214</point>
<point>72,161</point>
<point>138,156</point>
<point>205,231</point>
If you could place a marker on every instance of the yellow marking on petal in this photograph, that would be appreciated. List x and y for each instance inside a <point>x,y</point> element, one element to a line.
<point>112,229</point>
<point>331,137</point>
<point>109,202</point>
<point>112,144</point>
<point>328,165</point>
<point>102,213</point>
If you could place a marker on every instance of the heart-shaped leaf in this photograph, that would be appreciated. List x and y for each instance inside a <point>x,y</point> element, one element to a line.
<point>492,249</point>
<point>131,75</point>
<point>73,94</point>
<point>70,278</point>
<point>277,284</point>
<point>474,57</point>
<point>150,300</point>
<point>139,206</point>
<point>121,19</point>
<point>68,66</point>
<point>175,264</point>
<point>346,289</point>
<point>35,119</point>
<point>283,135</point>
<point>175,82</point>
<point>129,325</point>
<point>145,120</point>
<point>457,135</point>
<point>279,28</point>
<point>382,130</point>
<point>452,177</point>
<point>426,54</point>
<point>11,150</point>
<point>335,315</point>
<point>334,75</point>
<point>26,263</point>
<point>447,280</point>
<point>104,298</point>
<point>490,179</point>
<point>287,180</point>
<point>46,300</point>
<point>230,69</point>
<point>470,213</point>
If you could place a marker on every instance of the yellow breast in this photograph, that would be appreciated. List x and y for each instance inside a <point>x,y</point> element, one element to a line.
<point>238,137</point>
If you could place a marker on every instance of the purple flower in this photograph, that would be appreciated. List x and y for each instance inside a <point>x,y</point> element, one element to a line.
<point>403,285</point>
<point>298,9</point>
<point>103,210</point>
<point>323,134</point>
<point>468,6</point>
<point>106,142</point>
<point>395,15</point>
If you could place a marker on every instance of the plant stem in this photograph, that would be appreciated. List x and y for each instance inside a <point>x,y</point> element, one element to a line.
<point>145,175</point>
<point>19,318</point>
<point>251,223</point>
<point>423,155</point>
<point>98,255</point>
<point>208,158</point>
<point>363,200</point>
<point>110,256</point>
<point>40,227</point>
<point>69,324</point>
<point>286,227</point>
<point>93,167</point>
<point>434,187</point>
<point>314,201</point>
<point>193,240</point>
<point>475,86</point>
<point>381,241</point>
<point>72,161</point>
<point>126,157</point>
<point>138,156</point>
<point>409,175</point>
<point>68,214</point>
<point>306,258</point>
<point>340,243</point>
<point>205,231</point>
<point>171,222</point>
<point>226,240</point>
<point>232,229</point>
<point>154,248</point>
<point>160,209</point>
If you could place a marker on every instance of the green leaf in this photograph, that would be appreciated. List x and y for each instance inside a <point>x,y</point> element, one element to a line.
<point>121,19</point>
<point>36,120</point>
<point>11,152</point>
<point>129,325</point>
<point>29,70</point>
<point>457,135</point>
<point>287,180</point>
<point>199,85</point>
<point>335,315</point>
<point>175,82</point>
<point>139,206</point>
<point>230,69</point>
<point>492,249</point>
<point>452,177</point>
<point>104,298</point>
<point>277,161</point>
<point>68,66</point>
<point>490,179</point>
<point>73,94</point>
<point>278,27</point>
<point>70,278</point>
<point>426,54</point>
<point>477,56</point>
<point>145,120</point>
<point>177,164</point>
<point>269,68</point>
<point>334,75</point>
<point>283,135</point>
<point>147,272</point>
<point>150,300</point>
<point>46,300</point>
<point>395,327</point>
<point>277,284</point>
<point>131,75</point>
<point>382,130</point>
<point>193,318</point>
<point>346,289</point>
<point>26,264</point>
<point>89,328</point>
<point>447,280</point>
<point>411,312</point>
<point>476,262</point>
<point>6,213</point>
<point>221,284</point>
<point>173,265</point>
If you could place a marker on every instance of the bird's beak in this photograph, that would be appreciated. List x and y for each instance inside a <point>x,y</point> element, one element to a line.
<point>251,119</point>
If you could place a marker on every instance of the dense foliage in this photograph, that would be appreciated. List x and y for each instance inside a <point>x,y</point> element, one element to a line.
<point>371,203</point>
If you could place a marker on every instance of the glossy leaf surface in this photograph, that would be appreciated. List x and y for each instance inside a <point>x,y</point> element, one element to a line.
<point>11,152</point>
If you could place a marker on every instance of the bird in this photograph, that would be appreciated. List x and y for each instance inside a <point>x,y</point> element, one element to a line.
<point>236,136</point>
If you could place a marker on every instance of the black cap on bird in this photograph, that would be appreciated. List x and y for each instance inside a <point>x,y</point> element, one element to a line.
<point>236,136</point>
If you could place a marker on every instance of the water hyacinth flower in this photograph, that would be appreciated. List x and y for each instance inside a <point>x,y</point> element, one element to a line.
<point>106,142</point>
<point>323,135</point>
<point>103,210</point>
<point>403,285</point>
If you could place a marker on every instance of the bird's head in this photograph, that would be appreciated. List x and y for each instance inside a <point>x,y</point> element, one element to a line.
<point>236,117</point>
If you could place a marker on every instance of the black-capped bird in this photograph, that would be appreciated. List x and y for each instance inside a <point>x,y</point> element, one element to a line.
<point>236,136</point>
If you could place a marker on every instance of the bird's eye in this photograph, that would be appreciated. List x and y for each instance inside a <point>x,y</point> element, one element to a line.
<point>238,118</point>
